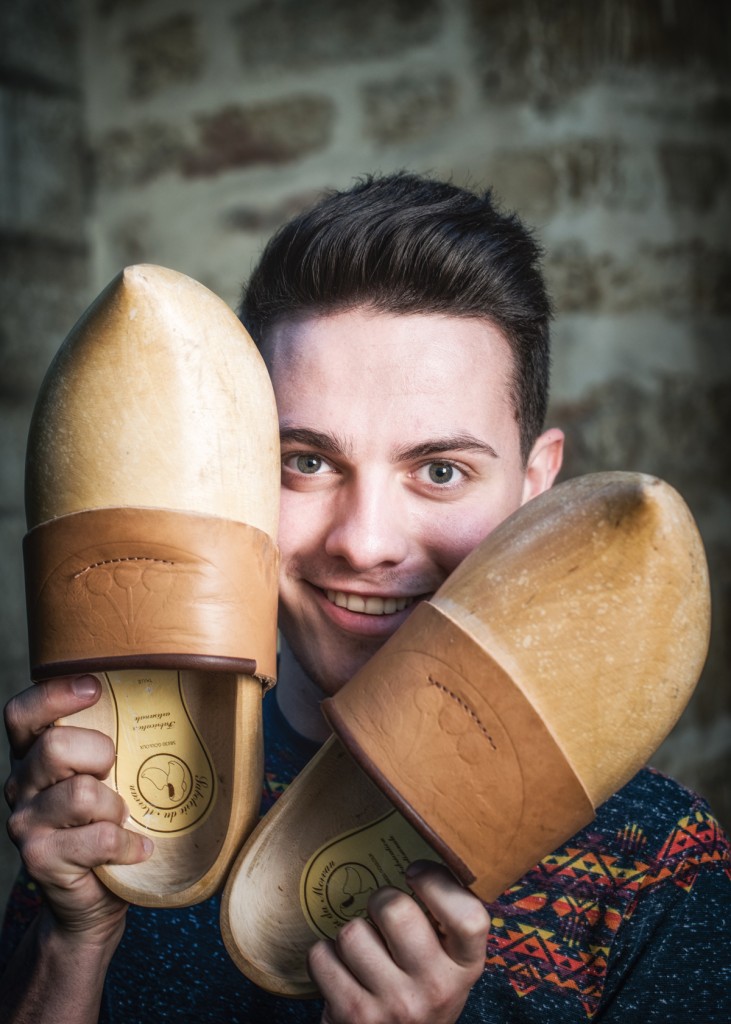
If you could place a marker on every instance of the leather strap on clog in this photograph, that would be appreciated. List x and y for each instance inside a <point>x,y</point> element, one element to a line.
<point>450,738</point>
<point>145,587</point>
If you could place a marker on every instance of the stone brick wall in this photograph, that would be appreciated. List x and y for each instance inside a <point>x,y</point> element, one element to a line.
<point>44,282</point>
<point>605,124</point>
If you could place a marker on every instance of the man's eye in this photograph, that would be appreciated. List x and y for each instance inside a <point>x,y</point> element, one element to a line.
<point>441,473</point>
<point>308,463</point>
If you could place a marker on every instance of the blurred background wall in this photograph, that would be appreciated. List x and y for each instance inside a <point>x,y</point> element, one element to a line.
<point>182,133</point>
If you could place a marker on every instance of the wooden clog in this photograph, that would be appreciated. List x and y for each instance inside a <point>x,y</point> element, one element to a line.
<point>152,499</point>
<point>536,682</point>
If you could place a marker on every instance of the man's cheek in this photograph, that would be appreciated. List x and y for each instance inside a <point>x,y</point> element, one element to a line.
<point>300,524</point>
<point>457,538</point>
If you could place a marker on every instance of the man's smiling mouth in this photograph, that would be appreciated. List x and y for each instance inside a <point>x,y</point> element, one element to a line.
<point>368,605</point>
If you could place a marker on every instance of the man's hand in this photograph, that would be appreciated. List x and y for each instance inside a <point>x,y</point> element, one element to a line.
<point>64,820</point>
<point>409,965</point>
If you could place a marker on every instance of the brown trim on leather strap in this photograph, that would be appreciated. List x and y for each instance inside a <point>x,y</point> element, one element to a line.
<point>179,662</point>
<point>136,587</point>
<point>456,746</point>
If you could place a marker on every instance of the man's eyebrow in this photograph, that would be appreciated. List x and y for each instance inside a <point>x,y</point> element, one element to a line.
<point>314,439</point>
<point>440,445</point>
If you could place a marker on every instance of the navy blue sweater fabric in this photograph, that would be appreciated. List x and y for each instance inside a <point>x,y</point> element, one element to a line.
<point>629,921</point>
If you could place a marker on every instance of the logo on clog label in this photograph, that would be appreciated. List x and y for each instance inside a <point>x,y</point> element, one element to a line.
<point>339,878</point>
<point>163,769</point>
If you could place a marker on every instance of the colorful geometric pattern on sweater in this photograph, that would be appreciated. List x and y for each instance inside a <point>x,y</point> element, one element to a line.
<point>555,927</point>
<point>626,922</point>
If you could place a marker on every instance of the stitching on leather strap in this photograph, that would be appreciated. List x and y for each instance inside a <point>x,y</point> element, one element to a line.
<point>116,561</point>
<point>117,585</point>
<point>465,707</point>
<point>481,806</point>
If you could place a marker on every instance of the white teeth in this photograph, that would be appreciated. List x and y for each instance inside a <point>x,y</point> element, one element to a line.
<point>369,605</point>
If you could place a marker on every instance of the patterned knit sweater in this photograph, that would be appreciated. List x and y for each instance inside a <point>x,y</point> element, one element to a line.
<point>629,921</point>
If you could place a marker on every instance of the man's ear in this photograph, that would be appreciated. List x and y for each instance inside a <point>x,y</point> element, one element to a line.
<point>544,462</point>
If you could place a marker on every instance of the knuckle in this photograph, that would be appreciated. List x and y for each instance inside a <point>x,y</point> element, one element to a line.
<point>17,827</point>
<point>62,747</point>
<point>84,795</point>
<point>53,745</point>
<point>392,908</point>
<point>351,935</point>
<point>363,1011</point>
<point>475,921</point>
<point>13,715</point>
<point>10,791</point>
<point>108,841</point>
<point>35,856</point>
<point>317,954</point>
<point>438,1003</point>
<point>357,1007</point>
<point>106,751</point>
<point>106,748</point>
<point>408,1008</point>
<point>441,997</point>
<point>474,973</point>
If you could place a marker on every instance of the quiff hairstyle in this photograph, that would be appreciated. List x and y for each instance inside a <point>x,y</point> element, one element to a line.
<point>403,243</point>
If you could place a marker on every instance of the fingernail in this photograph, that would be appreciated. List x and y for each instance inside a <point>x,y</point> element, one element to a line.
<point>84,687</point>
<point>418,867</point>
<point>147,845</point>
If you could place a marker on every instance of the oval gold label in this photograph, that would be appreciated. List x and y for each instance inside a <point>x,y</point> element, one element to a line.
<point>339,878</point>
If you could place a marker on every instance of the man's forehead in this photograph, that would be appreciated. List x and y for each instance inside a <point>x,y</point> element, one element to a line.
<point>381,382</point>
<point>414,347</point>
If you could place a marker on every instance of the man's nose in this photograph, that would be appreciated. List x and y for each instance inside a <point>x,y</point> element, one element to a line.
<point>369,526</point>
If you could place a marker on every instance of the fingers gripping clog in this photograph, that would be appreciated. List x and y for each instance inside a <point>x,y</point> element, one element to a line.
<point>534,684</point>
<point>152,497</point>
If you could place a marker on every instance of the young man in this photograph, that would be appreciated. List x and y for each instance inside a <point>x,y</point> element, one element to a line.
<point>405,326</point>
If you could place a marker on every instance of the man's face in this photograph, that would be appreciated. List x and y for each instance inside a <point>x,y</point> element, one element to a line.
<point>400,452</point>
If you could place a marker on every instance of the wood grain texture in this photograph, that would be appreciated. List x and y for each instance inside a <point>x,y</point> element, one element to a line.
<point>159,399</point>
<point>591,607</point>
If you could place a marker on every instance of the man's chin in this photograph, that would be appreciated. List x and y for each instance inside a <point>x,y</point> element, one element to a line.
<point>330,682</point>
<point>332,674</point>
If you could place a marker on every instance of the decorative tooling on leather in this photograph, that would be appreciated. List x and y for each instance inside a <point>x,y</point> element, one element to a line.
<point>109,583</point>
<point>456,746</point>
<point>134,598</point>
<point>465,706</point>
<point>117,561</point>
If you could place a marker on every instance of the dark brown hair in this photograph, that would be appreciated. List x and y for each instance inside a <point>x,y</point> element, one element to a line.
<point>403,243</point>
